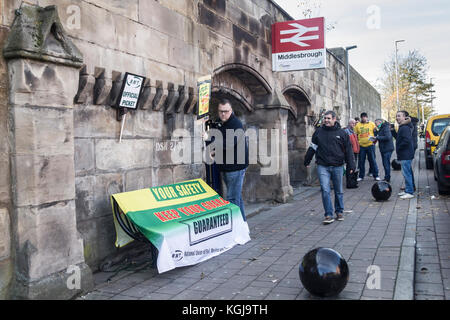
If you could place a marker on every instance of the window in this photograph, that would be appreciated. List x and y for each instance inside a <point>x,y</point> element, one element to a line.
<point>439,125</point>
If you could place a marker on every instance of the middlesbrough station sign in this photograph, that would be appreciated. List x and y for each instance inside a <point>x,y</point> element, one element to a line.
<point>299,45</point>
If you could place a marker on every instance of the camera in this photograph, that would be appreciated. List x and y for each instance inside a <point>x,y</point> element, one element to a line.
<point>211,124</point>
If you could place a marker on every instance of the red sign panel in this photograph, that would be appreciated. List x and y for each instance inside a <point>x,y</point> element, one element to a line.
<point>298,35</point>
<point>303,40</point>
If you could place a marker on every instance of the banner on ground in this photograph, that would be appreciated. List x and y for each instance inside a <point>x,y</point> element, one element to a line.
<point>187,222</point>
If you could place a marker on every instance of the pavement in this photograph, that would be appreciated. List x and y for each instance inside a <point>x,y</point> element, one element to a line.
<point>395,250</point>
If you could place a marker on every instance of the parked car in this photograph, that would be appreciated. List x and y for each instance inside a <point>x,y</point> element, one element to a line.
<point>441,161</point>
<point>434,128</point>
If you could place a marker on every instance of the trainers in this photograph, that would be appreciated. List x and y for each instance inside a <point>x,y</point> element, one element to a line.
<point>328,220</point>
<point>359,179</point>
<point>370,175</point>
<point>401,193</point>
<point>407,196</point>
<point>378,179</point>
<point>340,217</point>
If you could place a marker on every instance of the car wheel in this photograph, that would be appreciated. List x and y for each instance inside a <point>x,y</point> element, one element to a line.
<point>429,163</point>
<point>442,190</point>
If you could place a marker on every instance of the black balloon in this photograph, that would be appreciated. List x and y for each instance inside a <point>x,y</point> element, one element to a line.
<point>381,190</point>
<point>396,165</point>
<point>324,272</point>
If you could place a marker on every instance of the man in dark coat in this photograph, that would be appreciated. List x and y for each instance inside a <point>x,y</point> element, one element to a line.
<point>331,146</point>
<point>386,146</point>
<point>234,158</point>
<point>404,147</point>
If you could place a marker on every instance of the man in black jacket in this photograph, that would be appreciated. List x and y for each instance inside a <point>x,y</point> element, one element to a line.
<point>386,146</point>
<point>331,146</point>
<point>404,146</point>
<point>233,160</point>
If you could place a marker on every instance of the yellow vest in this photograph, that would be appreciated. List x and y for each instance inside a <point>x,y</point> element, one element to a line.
<point>364,131</point>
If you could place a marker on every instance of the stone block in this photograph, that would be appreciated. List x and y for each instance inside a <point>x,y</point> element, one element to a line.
<point>162,93</point>
<point>128,9</point>
<point>142,40</point>
<point>214,21</point>
<point>183,7</point>
<point>159,17</point>
<point>92,121</point>
<point>51,231</point>
<point>84,200</point>
<point>6,275</point>
<point>5,235</point>
<point>162,176</point>
<point>110,155</point>
<point>102,88</point>
<point>8,7</point>
<point>85,89</point>
<point>187,172</point>
<point>98,237</point>
<point>42,131</point>
<point>184,55</point>
<point>93,194</point>
<point>147,124</point>
<point>43,179</point>
<point>84,156</point>
<point>147,95</point>
<point>54,286</point>
<point>138,179</point>
<point>162,154</point>
<point>41,84</point>
<point>5,178</point>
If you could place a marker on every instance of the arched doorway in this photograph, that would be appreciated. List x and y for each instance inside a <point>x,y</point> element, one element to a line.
<point>300,104</point>
<point>243,86</point>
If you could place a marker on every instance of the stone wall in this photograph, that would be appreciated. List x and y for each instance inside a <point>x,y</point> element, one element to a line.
<point>172,43</point>
<point>365,98</point>
<point>5,172</point>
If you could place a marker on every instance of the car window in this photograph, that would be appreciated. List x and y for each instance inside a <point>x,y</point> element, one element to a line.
<point>439,125</point>
<point>444,138</point>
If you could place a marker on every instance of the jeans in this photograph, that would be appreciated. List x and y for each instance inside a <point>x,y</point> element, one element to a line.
<point>335,174</point>
<point>234,181</point>
<point>386,157</point>
<point>370,152</point>
<point>408,175</point>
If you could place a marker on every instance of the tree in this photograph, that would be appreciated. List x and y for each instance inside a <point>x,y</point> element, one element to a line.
<point>311,9</point>
<point>413,89</point>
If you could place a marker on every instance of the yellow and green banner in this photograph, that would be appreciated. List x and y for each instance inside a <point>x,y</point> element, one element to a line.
<point>188,222</point>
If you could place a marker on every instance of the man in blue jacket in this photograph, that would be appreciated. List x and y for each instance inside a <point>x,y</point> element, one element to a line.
<point>404,146</point>
<point>331,146</point>
<point>386,146</point>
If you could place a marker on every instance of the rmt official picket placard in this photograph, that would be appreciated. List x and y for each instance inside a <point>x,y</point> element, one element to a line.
<point>299,45</point>
<point>131,91</point>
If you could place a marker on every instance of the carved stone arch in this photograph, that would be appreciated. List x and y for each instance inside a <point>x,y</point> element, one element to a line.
<point>241,84</point>
<point>298,98</point>
<point>252,78</point>
<point>297,131</point>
